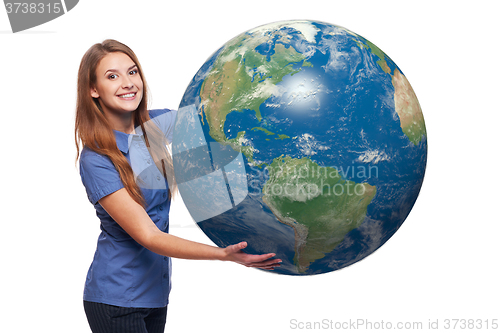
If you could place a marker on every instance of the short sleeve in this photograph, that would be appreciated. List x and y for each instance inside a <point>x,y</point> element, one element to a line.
<point>99,175</point>
<point>165,119</point>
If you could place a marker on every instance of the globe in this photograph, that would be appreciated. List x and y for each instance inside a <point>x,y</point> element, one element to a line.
<point>303,139</point>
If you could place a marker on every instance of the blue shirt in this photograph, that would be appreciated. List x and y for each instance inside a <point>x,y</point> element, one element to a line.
<point>124,273</point>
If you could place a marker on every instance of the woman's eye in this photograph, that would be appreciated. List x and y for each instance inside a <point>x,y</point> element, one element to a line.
<point>112,76</point>
<point>132,72</point>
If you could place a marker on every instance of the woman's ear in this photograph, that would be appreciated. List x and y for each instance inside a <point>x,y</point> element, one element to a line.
<point>94,93</point>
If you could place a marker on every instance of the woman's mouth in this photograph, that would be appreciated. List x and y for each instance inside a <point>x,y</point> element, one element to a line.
<point>127,96</point>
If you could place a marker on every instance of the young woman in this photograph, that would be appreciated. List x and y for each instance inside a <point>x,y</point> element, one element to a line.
<point>124,165</point>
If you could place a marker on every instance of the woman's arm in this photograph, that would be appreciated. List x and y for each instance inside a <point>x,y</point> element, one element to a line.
<point>136,222</point>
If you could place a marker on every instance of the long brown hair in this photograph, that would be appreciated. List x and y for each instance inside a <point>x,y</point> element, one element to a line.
<point>93,130</point>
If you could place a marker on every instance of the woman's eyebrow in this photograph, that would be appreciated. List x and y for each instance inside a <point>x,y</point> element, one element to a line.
<point>115,70</point>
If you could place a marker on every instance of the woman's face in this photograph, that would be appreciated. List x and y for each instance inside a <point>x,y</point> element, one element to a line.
<point>118,85</point>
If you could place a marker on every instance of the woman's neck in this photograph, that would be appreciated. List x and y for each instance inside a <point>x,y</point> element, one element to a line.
<point>122,122</point>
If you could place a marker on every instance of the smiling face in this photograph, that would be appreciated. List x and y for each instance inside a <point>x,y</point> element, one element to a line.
<point>119,85</point>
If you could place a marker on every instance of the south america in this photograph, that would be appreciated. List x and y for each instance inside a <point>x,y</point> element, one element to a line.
<point>319,204</point>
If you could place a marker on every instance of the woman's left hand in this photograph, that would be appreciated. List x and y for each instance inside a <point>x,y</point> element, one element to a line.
<point>234,253</point>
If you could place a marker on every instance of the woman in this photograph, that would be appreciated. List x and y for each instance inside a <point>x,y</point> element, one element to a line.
<point>124,166</point>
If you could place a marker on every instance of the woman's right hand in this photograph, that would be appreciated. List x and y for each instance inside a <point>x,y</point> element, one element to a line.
<point>234,253</point>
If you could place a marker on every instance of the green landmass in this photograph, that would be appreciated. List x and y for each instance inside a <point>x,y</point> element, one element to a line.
<point>408,108</point>
<point>317,203</point>
<point>263,130</point>
<point>381,55</point>
<point>239,142</point>
<point>268,132</point>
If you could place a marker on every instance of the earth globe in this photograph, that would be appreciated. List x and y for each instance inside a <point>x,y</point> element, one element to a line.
<point>303,139</point>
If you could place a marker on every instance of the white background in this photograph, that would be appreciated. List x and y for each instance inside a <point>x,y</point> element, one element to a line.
<point>441,264</point>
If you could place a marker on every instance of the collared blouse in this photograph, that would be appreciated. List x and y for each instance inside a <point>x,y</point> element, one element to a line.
<point>123,272</point>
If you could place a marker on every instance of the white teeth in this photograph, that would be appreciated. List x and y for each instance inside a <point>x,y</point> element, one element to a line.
<point>127,95</point>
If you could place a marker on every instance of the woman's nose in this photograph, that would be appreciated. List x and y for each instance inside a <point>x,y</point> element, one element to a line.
<point>127,83</point>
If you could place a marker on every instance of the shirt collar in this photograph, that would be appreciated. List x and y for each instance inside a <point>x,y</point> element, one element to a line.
<point>122,141</point>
